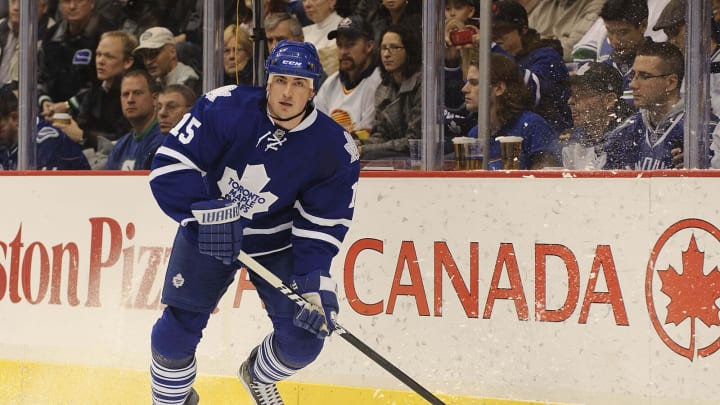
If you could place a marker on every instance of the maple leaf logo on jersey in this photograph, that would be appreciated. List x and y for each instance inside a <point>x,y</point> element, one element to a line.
<point>220,92</point>
<point>351,147</point>
<point>247,191</point>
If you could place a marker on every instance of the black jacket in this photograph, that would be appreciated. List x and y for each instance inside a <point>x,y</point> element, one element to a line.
<point>68,62</point>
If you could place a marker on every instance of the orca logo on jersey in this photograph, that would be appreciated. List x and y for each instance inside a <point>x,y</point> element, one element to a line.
<point>248,190</point>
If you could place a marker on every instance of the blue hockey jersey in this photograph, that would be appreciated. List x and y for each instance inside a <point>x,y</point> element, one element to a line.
<point>295,188</point>
<point>636,144</point>
<point>547,77</point>
<point>55,151</point>
<point>132,152</point>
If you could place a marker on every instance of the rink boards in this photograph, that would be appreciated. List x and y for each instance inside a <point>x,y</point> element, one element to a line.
<point>586,288</point>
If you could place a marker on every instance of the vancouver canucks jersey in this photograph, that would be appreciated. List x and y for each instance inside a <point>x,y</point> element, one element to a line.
<point>55,151</point>
<point>295,188</point>
<point>637,144</point>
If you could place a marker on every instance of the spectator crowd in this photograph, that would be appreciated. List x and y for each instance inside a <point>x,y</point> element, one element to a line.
<point>587,84</point>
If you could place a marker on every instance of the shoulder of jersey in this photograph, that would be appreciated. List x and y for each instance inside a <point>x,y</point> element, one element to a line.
<point>233,95</point>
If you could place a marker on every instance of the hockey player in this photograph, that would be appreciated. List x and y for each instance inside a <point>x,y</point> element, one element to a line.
<point>260,169</point>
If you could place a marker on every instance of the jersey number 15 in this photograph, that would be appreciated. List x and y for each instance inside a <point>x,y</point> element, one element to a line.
<point>189,131</point>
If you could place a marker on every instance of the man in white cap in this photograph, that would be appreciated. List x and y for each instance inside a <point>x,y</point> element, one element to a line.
<point>158,53</point>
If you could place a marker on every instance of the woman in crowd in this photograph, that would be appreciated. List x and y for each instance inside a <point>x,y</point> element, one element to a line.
<point>237,56</point>
<point>322,14</point>
<point>398,99</point>
<point>510,115</point>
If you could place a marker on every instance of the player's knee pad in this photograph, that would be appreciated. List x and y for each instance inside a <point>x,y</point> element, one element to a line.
<point>176,334</point>
<point>295,346</point>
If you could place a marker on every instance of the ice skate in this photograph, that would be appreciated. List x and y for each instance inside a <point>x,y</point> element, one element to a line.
<point>261,394</point>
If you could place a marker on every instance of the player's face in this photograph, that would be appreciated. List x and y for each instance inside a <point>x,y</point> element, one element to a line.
<point>354,53</point>
<point>280,33</point>
<point>318,10</point>
<point>288,95</point>
<point>471,89</point>
<point>137,102</point>
<point>624,37</point>
<point>392,52</point>
<point>109,59</point>
<point>159,62</point>
<point>171,108</point>
<point>651,84</point>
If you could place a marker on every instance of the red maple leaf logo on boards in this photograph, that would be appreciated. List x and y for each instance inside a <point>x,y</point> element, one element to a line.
<point>692,293</point>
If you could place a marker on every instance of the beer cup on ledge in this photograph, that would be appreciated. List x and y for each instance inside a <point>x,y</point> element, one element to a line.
<point>510,149</point>
<point>468,153</point>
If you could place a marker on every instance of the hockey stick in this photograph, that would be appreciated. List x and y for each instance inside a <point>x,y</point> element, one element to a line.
<point>275,281</point>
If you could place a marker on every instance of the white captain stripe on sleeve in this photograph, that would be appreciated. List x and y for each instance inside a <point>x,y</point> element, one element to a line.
<point>304,233</point>
<point>167,169</point>
<point>321,221</point>
<point>164,150</point>
<point>267,231</point>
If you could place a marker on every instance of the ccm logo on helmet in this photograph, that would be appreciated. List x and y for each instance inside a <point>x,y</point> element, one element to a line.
<point>291,63</point>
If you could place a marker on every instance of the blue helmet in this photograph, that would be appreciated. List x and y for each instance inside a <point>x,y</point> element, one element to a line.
<point>294,59</point>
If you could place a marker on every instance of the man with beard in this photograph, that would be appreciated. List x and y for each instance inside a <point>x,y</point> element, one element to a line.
<point>348,95</point>
<point>625,22</point>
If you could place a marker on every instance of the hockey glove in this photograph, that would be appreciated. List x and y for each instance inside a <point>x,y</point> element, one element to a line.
<point>318,315</point>
<point>219,229</point>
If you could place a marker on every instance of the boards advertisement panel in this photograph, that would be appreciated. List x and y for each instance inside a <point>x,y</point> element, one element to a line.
<point>559,288</point>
